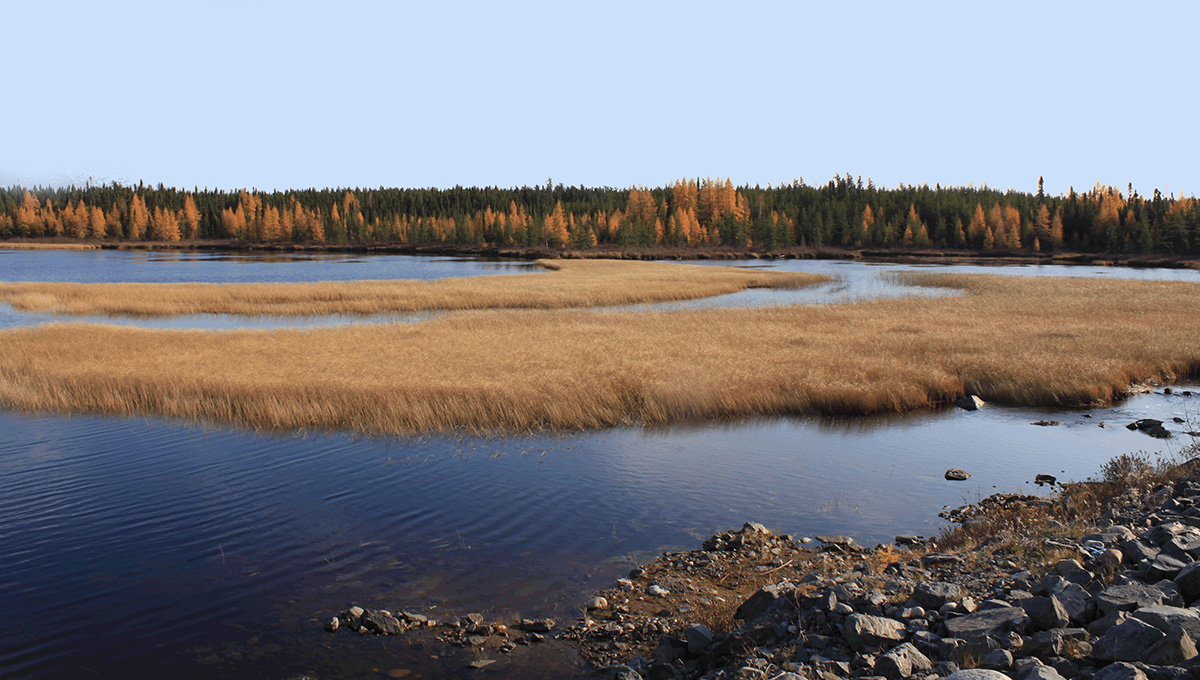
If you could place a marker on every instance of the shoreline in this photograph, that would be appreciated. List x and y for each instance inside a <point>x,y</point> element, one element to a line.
<point>1136,261</point>
<point>1019,587</point>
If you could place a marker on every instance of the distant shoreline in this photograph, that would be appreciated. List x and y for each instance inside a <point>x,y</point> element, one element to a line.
<point>625,253</point>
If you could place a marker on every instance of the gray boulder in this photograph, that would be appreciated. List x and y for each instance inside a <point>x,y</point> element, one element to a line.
<point>1128,641</point>
<point>902,661</point>
<point>998,660</point>
<point>1167,618</point>
<point>868,633</point>
<point>381,622</point>
<point>1046,612</point>
<point>957,475</point>
<point>1174,649</point>
<point>993,622</point>
<point>1127,597</point>
<point>1162,567</point>
<point>933,594</point>
<point>969,402</point>
<point>1040,672</point>
<point>981,674</point>
<point>1120,671</point>
<point>766,598</point>
<point>1188,581</point>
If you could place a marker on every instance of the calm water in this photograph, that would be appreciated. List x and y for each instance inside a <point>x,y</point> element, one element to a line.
<point>131,547</point>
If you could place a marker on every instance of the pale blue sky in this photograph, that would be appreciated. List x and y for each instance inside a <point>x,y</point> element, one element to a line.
<point>298,94</point>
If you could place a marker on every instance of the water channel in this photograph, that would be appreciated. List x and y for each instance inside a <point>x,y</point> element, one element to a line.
<point>145,546</point>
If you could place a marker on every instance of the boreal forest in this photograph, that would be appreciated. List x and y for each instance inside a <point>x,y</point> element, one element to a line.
<point>690,213</point>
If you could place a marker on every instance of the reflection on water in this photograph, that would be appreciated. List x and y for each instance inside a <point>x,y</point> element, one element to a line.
<point>135,266</point>
<point>202,552</point>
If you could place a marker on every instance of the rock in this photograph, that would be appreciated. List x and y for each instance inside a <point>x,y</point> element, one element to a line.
<point>997,660</point>
<point>356,612</point>
<point>840,541</point>
<point>969,402</point>
<point>1166,618</point>
<point>1054,642</point>
<point>536,625</point>
<point>597,603</point>
<point>1046,423</point>
<point>1073,571</point>
<point>1045,479</point>
<point>756,528</point>
<point>698,637</point>
<point>1120,671</point>
<point>981,674</point>
<point>902,661</point>
<point>1110,559</point>
<point>1127,641</point>
<point>934,594</point>
<point>1162,567</point>
<point>1188,581</point>
<point>868,633</point>
<point>1101,625</point>
<point>957,475</point>
<point>1137,550</point>
<point>993,622</point>
<point>1040,672</point>
<point>761,601</point>
<point>381,622</point>
<point>332,625</point>
<point>1175,648</point>
<point>657,591</point>
<point>1045,612</point>
<point>481,663</point>
<point>1127,597</point>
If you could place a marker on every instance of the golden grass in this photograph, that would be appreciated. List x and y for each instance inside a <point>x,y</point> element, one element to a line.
<point>1021,341</point>
<point>11,245</point>
<point>570,283</point>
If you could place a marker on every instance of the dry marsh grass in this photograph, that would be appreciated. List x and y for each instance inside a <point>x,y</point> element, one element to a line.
<point>11,245</point>
<point>569,283</point>
<point>1021,341</point>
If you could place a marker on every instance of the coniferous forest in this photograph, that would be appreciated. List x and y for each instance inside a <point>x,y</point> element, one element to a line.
<point>690,213</point>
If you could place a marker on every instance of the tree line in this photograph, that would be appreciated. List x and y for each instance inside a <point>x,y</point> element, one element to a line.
<point>690,213</point>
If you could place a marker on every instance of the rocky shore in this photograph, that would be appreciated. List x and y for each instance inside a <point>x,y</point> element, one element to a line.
<point>1100,581</point>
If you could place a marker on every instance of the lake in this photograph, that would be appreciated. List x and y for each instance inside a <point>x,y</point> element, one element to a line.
<point>145,546</point>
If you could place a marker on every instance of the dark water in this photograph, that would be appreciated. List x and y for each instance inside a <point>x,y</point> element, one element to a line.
<point>133,547</point>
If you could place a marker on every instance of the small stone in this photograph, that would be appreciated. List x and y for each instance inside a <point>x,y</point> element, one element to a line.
<point>1110,559</point>
<point>866,633</point>
<point>597,603</point>
<point>481,663</point>
<point>356,612</point>
<point>332,625</point>
<point>698,637</point>
<point>957,475</point>
<point>934,594</point>
<point>657,591</point>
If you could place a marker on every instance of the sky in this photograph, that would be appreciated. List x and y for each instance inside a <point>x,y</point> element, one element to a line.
<point>278,95</point>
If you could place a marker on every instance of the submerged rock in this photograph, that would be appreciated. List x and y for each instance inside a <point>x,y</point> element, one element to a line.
<point>957,475</point>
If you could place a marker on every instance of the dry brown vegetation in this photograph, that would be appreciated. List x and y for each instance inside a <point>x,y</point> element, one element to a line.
<point>1022,341</point>
<point>570,283</point>
<point>20,245</point>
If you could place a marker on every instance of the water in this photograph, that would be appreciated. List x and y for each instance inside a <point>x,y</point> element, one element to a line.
<point>132,547</point>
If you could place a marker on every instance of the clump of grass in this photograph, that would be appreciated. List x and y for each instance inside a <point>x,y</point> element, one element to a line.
<point>1038,342</point>
<point>569,283</point>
